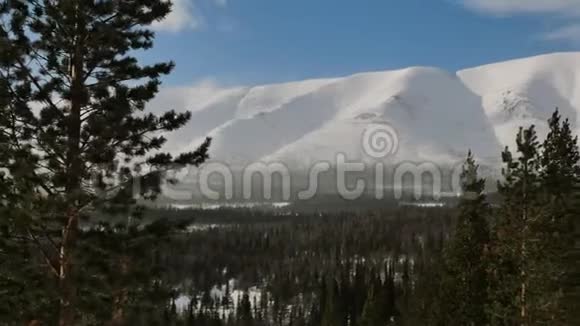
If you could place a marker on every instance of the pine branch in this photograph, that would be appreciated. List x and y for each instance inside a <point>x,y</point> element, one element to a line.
<point>47,258</point>
<point>38,86</point>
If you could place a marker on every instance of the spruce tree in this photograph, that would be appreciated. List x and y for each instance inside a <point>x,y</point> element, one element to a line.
<point>464,273</point>
<point>74,134</point>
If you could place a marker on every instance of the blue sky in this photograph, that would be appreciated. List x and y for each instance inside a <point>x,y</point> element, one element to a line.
<point>249,42</point>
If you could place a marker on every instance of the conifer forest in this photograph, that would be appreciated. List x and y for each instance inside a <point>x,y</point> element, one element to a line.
<point>84,239</point>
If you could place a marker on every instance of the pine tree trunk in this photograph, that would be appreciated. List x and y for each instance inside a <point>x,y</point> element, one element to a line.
<point>121,296</point>
<point>69,233</point>
<point>67,287</point>
<point>523,253</point>
<point>74,174</point>
<point>523,290</point>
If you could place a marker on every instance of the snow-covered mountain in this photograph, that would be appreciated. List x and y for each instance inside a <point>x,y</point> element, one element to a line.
<point>437,115</point>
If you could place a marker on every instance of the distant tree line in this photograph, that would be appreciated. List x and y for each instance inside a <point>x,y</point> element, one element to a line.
<point>515,263</point>
<point>77,248</point>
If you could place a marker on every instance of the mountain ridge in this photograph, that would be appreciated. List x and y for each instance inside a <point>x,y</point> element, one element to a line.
<point>437,115</point>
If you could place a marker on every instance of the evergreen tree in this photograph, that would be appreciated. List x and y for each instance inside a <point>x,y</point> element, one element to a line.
<point>244,313</point>
<point>512,234</point>
<point>522,271</point>
<point>375,311</point>
<point>74,134</point>
<point>534,234</point>
<point>332,315</point>
<point>464,274</point>
<point>560,172</point>
<point>425,306</point>
<point>572,277</point>
<point>559,159</point>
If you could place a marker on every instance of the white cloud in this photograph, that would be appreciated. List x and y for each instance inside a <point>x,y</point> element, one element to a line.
<point>510,7</point>
<point>221,3</point>
<point>184,15</point>
<point>561,9</point>
<point>569,33</point>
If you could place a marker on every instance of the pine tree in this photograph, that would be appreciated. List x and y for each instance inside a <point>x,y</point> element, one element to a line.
<point>511,248</point>
<point>75,137</point>
<point>533,239</point>
<point>560,172</point>
<point>425,306</point>
<point>375,311</point>
<point>464,272</point>
<point>244,313</point>
<point>332,314</point>
<point>560,157</point>
<point>522,267</point>
<point>572,277</point>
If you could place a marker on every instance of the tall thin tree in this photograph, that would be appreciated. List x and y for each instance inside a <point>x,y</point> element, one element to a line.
<point>513,238</point>
<point>464,272</point>
<point>560,176</point>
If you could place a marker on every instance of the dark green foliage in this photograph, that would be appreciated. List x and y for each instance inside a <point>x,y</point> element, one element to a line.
<point>532,240</point>
<point>560,158</point>
<point>244,313</point>
<point>380,303</point>
<point>75,138</point>
<point>514,249</point>
<point>560,179</point>
<point>289,263</point>
<point>464,283</point>
<point>77,146</point>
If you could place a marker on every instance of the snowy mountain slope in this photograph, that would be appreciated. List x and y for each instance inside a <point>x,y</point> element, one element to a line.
<point>437,115</point>
<point>415,102</point>
<point>526,91</point>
